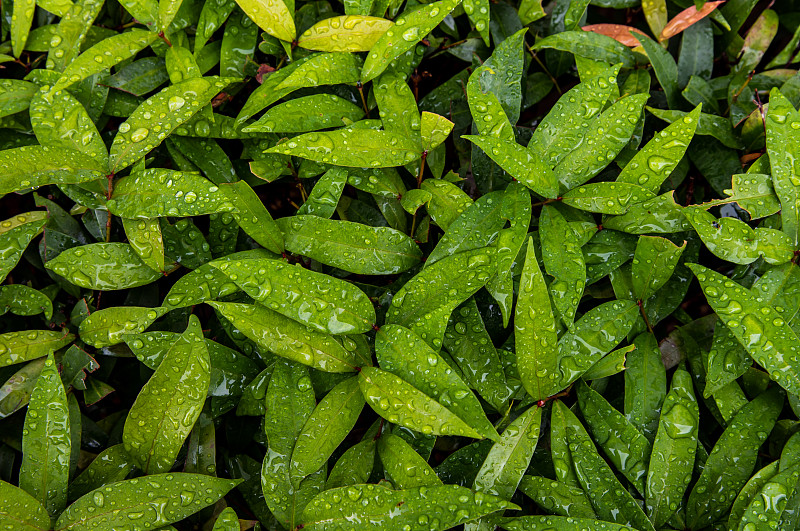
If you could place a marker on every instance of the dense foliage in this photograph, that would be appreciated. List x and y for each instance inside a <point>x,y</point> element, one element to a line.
<point>309,265</point>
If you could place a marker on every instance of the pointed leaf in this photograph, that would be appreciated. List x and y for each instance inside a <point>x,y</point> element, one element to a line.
<point>404,467</point>
<point>33,166</point>
<point>555,497</point>
<point>46,442</point>
<point>21,510</point>
<point>103,266</point>
<point>157,425</point>
<point>563,259</point>
<point>273,16</point>
<point>653,263</point>
<point>350,246</point>
<point>349,33</point>
<point>287,338</point>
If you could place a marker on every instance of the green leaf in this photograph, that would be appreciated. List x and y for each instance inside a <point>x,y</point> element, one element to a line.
<point>564,126</point>
<point>349,33</point>
<point>319,301</point>
<point>103,266</point>
<point>307,113</point>
<point>610,500</point>
<point>733,240</point>
<point>289,404</point>
<point>522,164</point>
<point>404,354</point>
<point>22,511</point>
<point>750,491</point>
<point>46,442</point>
<point>563,259</point>
<point>401,403</point>
<point>475,228</point>
<point>407,31</point>
<point>158,116</point>
<point>350,246</point>
<point>323,69</point>
<point>611,131</point>
<point>652,165</point>
<point>758,326</point>
<point>589,44</point>
<point>253,217</point>
<point>326,428</point>
<point>358,148</point>
<point>153,500</point>
<point>606,198</point>
<point>781,147</point>
<point>354,466</point>
<point>447,201</point>
<point>761,513</point>
<point>104,55</point>
<point>535,330</point>
<point>510,456</point>
<point>324,198</point>
<point>145,238</point>
<point>404,467</point>
<point>227,521</point>
<point>15,235</point>
<point>489,117</point>
<point>33,166</point>
<point>592,336</point>
<point>397,105</point>
<point>727,359</point>
<point>273,16</point>
<point>653,263</point>
<point>20,299</point>
<point>168,405</point>
<point>660,215</point>
<point>158,192</point>
<point>420,509</point>
<point>425,302</point>
<point>21,20</point>
<point>287,338</point>
<point>110,466</point>
<point>645,385</point>
<point>664,66</point>
<point>556,497</point>
<point>470,345</point>
<point>624,445</point>
<point>17,347</point>
<point>733,458</point>
<point>752,192</point>
<point>673,456</point>
<point>559,523</point>
<point>106,327</point>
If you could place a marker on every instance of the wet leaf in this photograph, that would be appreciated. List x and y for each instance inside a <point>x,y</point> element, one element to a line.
<point>33,166</point>
<point>618,32</point>
<point>417,508</point>
<point>103,55</point>
<point>46,442</point>
<point>106,327</point>
<point>326,428</point>
<point>350,246</point>
<point>324,198</point>
<point>289,403</point>
<point>589,44</point>
<point>21,510</point>
<point>168,405</point>
<point>110,466</point>
<point>158,116</point>
<point>144,237</point>
<point>659,215</point>
<point>556,497</point>
<point>20,299</point>
<point>354,466</point>
<point>733,458</point>
<point>559,523</point>
<point>524,165</point>
<point>407,356</point>
<point>407,31</point>
<point>349,33</point>
<point>273,16</point>
<point>673,456</point>
<point>15,235</point>
<point>425,302</point>
<point>645,385</point>
<point>563,260</point>
<point>307,113</point>
<point>253,217</point>
<point>781,123</point>
<point>17,347</point>
<point>624,445</point>
<point>155,500</point>
<point>757,326</point>
<point>287,338</point>
<point>653,263</point>
<point>606,198</point>
<point>359,148</point>
<point>611,501</point>
<point>397,105</point>
<point>535,330</point>
<point>97,266</point>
